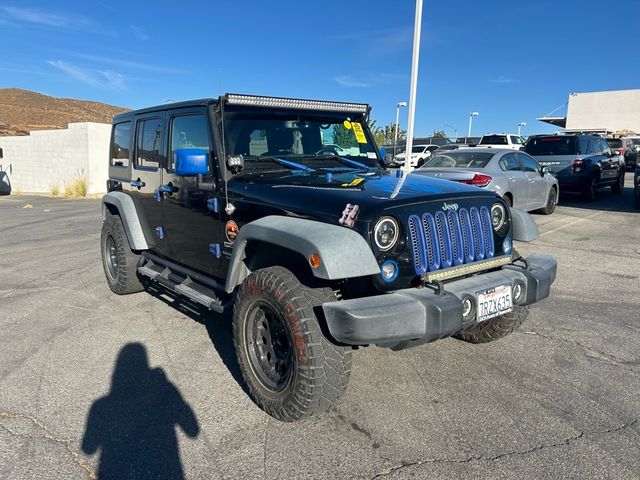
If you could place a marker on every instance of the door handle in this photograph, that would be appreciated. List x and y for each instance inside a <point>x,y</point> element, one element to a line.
<point>138,183</point>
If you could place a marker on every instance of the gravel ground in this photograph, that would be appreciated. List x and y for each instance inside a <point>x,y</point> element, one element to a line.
<point>139,386</point>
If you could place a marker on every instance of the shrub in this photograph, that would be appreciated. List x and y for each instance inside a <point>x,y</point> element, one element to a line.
<point>54,190</point>
<point>78,187</point>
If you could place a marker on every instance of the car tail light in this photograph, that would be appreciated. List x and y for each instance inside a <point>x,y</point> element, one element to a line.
<point>578,165</point>
<point>479,180</point>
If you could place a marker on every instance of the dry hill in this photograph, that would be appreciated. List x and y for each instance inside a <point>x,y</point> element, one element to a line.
<point>22,111</point>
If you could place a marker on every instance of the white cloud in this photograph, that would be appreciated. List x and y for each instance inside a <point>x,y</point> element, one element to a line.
<point>94,78</point>
<point>347,81</point>
<point>52,19</point>
<point>139,32</point>
<point>502,79</point>
<point>120,63</point>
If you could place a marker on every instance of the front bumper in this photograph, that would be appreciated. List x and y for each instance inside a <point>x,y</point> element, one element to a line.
<point>414,316</point>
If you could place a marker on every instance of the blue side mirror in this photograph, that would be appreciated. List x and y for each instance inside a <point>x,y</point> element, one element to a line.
<point>383,154</point>
<point>191,162</point>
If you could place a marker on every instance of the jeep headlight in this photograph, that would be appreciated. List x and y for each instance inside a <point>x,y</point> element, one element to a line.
<point>498,216</point>
<point>386,233</point>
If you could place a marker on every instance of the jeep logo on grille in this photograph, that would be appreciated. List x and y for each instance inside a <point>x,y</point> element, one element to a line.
<point>450,206</point>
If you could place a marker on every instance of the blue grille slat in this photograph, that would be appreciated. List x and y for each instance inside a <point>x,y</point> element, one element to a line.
<point>444,240</point>
<point>487,230</point>
<point>431,242</point>
<point>457,247</point>
<point>450,238</point>
<point>417,244</point>
<point>467,236</point>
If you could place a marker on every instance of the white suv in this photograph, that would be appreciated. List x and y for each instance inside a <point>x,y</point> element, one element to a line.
<point>502,140</point>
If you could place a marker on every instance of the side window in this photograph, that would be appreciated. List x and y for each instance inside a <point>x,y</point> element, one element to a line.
<point>584,145</point>
<point>528,163</point>
<point>515,140</point>
<point>508,162</point>
<point>148,142</point>
<point>606,150</point>
<point>594,147</point>
<point>189,131</point>
<point>120,148</point>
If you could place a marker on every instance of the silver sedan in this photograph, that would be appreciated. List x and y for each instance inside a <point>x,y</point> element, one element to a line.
<point>514,175</point>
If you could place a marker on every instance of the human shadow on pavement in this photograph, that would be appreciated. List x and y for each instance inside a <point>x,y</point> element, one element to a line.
<point>133,426</point>
<point>218,327</point>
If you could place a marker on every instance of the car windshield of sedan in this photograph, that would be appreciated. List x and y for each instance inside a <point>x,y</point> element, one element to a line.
<point>458,159</point>
<point>297,139</point>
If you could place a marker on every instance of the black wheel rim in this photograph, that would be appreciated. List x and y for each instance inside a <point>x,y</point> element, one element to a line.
<point>111,257</point>
<point>269,346</point>
<point>552,200</point>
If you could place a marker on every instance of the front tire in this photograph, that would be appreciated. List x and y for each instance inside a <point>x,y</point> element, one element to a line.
<point>496,328</point>
<point>291,369</point>
<point>618,188</point>
<point>120,263</point>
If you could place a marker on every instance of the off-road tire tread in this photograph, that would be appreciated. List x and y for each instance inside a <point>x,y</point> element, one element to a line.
<point>128,280</point>
<point>323,376</point>
<point>495,328</point>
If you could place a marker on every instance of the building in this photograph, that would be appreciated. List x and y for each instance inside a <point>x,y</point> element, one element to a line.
<point>602,112</point>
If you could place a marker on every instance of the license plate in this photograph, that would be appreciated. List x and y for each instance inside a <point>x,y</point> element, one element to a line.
<point>494,302</point>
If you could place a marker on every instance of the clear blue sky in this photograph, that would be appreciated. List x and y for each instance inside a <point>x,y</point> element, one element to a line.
<point>510,61</point>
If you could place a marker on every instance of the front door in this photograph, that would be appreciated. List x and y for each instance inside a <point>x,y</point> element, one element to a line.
<point>537,197</point>
<point>146,174</point>
<point>192,214</point>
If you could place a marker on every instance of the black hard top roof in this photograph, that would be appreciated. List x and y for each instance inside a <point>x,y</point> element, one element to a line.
<point>202,102</point>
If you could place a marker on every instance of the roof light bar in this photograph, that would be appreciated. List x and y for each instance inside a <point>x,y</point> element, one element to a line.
<point>294,103</point>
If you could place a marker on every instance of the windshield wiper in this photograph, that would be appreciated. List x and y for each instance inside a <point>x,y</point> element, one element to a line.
<point>346,161</point>
<point>284,163</point>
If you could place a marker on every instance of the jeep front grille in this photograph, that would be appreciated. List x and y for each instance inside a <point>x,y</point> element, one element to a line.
<point>448,239</point>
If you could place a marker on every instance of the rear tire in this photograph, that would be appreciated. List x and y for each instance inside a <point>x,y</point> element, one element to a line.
<point>590,193</point>
<point>120,263</point>
<point>496,328</point>
<point>552,200</point>
<point>618,188</point>
<point>636,198</point>
<point>291,369</point>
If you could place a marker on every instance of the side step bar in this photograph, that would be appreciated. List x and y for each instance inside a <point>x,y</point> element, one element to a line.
<point>196,287</point>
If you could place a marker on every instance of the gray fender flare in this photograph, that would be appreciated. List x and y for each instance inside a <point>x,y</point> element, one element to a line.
<point>130,219</point>
<point>524,227</point>
<point>344,253</point>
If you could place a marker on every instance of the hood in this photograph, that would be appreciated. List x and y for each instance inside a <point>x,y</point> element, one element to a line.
<point>324,196</point>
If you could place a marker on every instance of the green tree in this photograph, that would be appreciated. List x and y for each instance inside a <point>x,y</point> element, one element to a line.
<point>343,137</point>
<point>439,134</point>
<point>385,135</point>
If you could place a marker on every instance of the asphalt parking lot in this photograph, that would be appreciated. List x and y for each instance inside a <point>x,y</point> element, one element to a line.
<point>140,386</point>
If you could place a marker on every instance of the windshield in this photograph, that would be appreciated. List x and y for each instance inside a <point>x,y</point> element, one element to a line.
<point>614,142</point>
<point>494,140</point>
<point>313,139</point>
<point>460,159</point>
<point>418,149</point>
<point>555,145</point>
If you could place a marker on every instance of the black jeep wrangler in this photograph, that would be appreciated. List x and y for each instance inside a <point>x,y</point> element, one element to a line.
<point>283,210</point>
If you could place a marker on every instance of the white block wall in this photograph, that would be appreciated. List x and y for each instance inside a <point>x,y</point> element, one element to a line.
<point>48,157</point>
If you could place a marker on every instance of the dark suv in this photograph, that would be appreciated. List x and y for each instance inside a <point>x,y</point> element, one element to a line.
<point>282,210</point>
<point>581,163</point>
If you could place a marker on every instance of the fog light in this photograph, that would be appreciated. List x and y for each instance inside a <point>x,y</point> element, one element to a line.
<point>507,245</point>
<point>467,307</point>
<point>389,271</point>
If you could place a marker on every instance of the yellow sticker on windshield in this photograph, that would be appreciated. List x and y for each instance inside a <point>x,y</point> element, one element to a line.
<point>347,124</point>
<point>357,129</point>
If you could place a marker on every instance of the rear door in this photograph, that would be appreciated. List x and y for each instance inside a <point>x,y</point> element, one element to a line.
<point>192,213</point>
<point>146,173</point>
<point>537,197</point>
<point>517,180</point>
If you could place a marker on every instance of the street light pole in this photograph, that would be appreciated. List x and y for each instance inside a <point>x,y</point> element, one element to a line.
<point>395,138</point>
<point>471,115</point>
<point>520,125</point>
<point>407,167</point>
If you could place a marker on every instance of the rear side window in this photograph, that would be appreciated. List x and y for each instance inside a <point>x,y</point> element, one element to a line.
<point>148,143</point>
<point>120,148</point>
<point>556,145</point>
<point>494,140</point>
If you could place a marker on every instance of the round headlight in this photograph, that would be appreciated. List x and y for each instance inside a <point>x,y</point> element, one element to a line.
<point>498,216</point>
<point>386,233</point>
